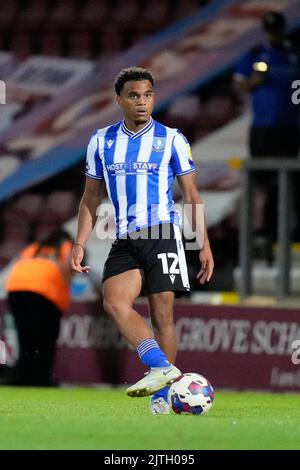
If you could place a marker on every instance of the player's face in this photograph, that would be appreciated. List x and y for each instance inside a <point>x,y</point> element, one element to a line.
<point>136,100</point>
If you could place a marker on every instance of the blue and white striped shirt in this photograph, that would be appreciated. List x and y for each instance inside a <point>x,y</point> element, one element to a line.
<point>139,170</point>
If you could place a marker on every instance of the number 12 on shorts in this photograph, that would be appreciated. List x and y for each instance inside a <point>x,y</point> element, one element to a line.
<point>165,265</point>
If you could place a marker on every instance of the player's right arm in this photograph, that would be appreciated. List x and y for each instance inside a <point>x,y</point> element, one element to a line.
<point>87,216</point>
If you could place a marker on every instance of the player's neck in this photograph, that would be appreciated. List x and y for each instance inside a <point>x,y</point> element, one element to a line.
<point>136,126</point>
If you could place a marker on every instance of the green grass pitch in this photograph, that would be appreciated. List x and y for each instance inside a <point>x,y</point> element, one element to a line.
<point>89,418</point>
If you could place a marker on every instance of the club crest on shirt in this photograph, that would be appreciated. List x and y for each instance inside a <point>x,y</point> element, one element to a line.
<point>159,144</point>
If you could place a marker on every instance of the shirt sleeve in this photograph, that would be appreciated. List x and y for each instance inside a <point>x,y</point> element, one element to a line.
<point>181,160</point>
<point>94,168</point>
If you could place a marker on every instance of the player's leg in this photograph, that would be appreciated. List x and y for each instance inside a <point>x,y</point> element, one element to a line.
<point>161,311</point>
<point>119,294</point>
<point>165,273</point>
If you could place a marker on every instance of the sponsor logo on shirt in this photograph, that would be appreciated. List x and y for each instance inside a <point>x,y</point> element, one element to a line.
<point>131,168</point>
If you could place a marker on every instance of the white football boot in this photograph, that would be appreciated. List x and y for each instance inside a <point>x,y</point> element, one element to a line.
<point>156,379</point>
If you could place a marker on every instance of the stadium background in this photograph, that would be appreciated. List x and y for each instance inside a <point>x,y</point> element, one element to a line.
<point>58,60</point>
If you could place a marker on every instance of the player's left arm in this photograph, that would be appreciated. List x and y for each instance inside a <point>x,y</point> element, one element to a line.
<point>191,196</point>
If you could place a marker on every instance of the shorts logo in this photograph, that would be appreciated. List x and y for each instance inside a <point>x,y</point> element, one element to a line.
<point>172,270</point>
<point>159,144</point>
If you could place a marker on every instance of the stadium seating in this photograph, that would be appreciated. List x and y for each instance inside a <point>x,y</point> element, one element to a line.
<point>80,45</point>
<point>62,16</point>
<point>197,117</point>
<point>27,207</point>
<point>33,15</point>
<point>51,44</point>
<point>87,28</point>
<point>21,45</point>
<point>92,16</point>
<point>59,206</point>
<point>185,7</point>
<point>8,14</point>
<point>31,217</point>
<point>8,250</point>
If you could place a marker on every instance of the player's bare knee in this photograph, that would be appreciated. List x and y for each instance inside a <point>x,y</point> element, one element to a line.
<point>162,318</point>
<point>110,306</point>
<point>115,306</point>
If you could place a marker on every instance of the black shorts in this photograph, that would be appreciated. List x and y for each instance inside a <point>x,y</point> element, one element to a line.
<point>157,251</point>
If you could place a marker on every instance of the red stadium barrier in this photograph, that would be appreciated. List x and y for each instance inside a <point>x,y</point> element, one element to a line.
<point>234,347</point>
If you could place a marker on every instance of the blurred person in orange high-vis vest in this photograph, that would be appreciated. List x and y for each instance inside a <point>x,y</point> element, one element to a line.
<point>38,290</point>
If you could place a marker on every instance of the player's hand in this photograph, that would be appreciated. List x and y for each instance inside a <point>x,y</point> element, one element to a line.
<point>207,265</point>
<point>76,259</point>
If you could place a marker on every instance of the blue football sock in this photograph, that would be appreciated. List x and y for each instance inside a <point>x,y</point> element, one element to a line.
<point>161,393</point>
<point>151,355</point>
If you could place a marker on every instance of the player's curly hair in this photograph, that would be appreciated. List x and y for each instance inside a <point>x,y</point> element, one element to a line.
<point>131,73</point>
